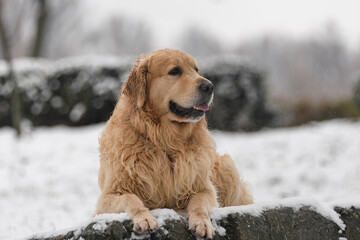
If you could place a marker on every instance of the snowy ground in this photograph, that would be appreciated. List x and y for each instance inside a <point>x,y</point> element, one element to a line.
<point>48,179</point>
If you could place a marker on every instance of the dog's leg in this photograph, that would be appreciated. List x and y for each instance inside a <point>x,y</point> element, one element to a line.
<point>132,205</point>
<point>198,210</point>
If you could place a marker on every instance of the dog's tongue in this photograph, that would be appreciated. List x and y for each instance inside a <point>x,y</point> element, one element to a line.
<point>203,107</point>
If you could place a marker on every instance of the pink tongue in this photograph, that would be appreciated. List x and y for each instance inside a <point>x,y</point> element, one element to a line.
<point>203,107</point>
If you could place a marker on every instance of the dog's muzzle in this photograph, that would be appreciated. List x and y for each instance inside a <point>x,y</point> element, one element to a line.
<point>195,112</point>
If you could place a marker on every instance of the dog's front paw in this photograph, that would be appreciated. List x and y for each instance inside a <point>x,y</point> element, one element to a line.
<point>144,221</point>
<point>201,225</point>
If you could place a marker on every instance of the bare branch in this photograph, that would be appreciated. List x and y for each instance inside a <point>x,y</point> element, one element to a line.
<point>15,99</point>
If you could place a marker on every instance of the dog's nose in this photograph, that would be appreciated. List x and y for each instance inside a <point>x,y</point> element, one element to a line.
<point>206,87</point>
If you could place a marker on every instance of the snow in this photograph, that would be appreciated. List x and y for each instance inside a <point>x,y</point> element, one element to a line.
<point>49,66</point>
<point>295,203</point>
<point>162,214</point>
<point>48,178</point>
<point>77,112</point>
<point>100,225</point>
<point>321,160</point>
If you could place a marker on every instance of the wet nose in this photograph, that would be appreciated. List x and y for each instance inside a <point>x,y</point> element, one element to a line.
<point>206,87</point>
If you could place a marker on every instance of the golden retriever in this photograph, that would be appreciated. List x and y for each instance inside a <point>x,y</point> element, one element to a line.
<point>156,150</point>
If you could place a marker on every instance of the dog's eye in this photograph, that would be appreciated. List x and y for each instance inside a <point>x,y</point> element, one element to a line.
<point>175,71</point>
<point>196,69</point>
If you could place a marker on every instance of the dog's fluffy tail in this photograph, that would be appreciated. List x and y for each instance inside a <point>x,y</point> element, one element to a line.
<point>231,189</point>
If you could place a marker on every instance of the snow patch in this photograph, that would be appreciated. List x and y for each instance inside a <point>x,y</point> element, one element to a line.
<point>140,236</point>
<point>77,112</point>
<point>345,203</point>
<point>109,217</point>
<point>165,214</point>
<point>219,229</point>
<point>101,222</point>
<point>294,203</point>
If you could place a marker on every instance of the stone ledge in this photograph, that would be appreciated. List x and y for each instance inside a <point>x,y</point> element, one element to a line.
<point>284,222</point>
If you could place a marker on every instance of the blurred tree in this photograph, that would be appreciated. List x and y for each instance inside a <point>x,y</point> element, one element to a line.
<point>199,42</point>
<point>15,98</point>
<point>357,92</point>
<point>316,69</point>
<point>72,31</point>
<point>117,35</point>
<point>129,37</point>
<point>40,33</point>
<point>56,29</point>
<point>18,17</point>
<point>14,19</point>
<point>63,29</point>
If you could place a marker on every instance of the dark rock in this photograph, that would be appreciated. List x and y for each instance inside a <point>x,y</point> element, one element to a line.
<point>351,218</point>
<point>278,223</point>
<point>240,94</point>
<point>286,223</point>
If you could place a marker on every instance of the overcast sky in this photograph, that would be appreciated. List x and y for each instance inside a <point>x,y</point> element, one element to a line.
<point>234,21</point>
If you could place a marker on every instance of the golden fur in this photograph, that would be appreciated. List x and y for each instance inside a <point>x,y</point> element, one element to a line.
<point>153,158</point>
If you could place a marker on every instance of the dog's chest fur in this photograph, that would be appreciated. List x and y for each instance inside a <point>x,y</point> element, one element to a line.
<point>164,177</point>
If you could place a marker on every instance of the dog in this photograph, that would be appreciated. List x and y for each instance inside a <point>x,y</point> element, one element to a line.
<point>156,150</point>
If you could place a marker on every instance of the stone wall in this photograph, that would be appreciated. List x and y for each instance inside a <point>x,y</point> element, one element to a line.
<point>306,222</point>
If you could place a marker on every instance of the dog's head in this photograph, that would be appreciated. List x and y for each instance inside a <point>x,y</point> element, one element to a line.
<point>169,82</point>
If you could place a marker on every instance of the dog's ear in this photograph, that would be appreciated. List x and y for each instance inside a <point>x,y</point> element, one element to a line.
<point>135,86</point>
